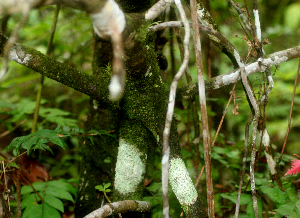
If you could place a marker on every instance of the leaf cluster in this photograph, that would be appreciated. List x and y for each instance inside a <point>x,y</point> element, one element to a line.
<point>37,140</point>
<point>45,199</point>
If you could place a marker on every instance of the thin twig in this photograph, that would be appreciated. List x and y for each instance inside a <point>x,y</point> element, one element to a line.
<point>5,189</point>
<point>255,110</point>
<point>15,127</point>
<point>196,119</point>
<point>170,111</point>
<point>241,15</point>
<point>224,113</point>
<point>204,119</point>
<point>252,165</point>
<point>290,117</point>
<point>198,179</point>
<point>18,191</point>
<point>256,114</point>
<point>3,171</point>
<point>244,166</point>
<point>41,82</point>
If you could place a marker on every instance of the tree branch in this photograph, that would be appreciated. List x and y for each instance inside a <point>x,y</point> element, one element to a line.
<point>120,207</point>
<point>92,86</point>
<point>189,92</point>
<point>170,111</point>
<point>204,118</point>
<point>88,84</point>
<point>156,9</point>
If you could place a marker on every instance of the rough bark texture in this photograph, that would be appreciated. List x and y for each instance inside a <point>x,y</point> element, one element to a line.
<point>99,157</point>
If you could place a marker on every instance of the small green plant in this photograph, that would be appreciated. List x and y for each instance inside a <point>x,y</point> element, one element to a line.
<point>104,189</point>
<point>45,199</point>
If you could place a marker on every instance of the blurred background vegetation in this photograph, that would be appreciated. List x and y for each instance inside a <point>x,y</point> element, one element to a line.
<point>66,107</point>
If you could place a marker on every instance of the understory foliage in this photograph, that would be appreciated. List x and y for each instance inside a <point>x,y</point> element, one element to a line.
<point>45,173</point>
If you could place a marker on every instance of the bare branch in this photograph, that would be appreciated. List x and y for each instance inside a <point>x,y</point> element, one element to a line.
<point>204,119</point>
<point>170,111</point>
<point>120,207</point>
<point>255,110</point>
<point>217,38</point>
<point>261,65</point>
<point>237,208</point>
<point>156,9</point>
<point>241,15</point>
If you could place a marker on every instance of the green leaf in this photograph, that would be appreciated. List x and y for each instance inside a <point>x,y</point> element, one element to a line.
<point>5,104</point>
<point>50,212</point>
<point>107,185</point>
<point>245,198</point>
<point>99,187</point>
<point>57,116</point>
<point>73,180</point>
<point>292,193</point>
<point>59,193</point>
<point>26,190</point>
<point>30,199</point>
<point>38,186</point>
<point>274,193</point>
<point>63,185</point>
<point>66,129</point>
<point>297,205</point>
<point>13,164</point>
<point>154,200</point>
<point>154,187</point>
<point>33,211</point>
<point>59,142</point>
<point>250,211</point>
<point>42,146</point>
<point>54,202</point>
<point>287,210</point>
<point>107,160</point>
<point>37,140</point>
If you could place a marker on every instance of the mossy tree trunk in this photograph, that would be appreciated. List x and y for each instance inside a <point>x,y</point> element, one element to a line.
<point>141,115</point>
<point>137,120</point>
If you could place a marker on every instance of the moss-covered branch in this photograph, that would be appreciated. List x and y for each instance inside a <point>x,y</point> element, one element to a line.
<point>67,75</point>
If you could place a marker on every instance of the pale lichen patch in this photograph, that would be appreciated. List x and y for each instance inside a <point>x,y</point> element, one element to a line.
<point>227,79</point>
<point>181,182</point>
<point>266,138</point>
<point>274,60</point>
<point>18,55</point>
<point>129,168</point>
<point>271,163</point>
